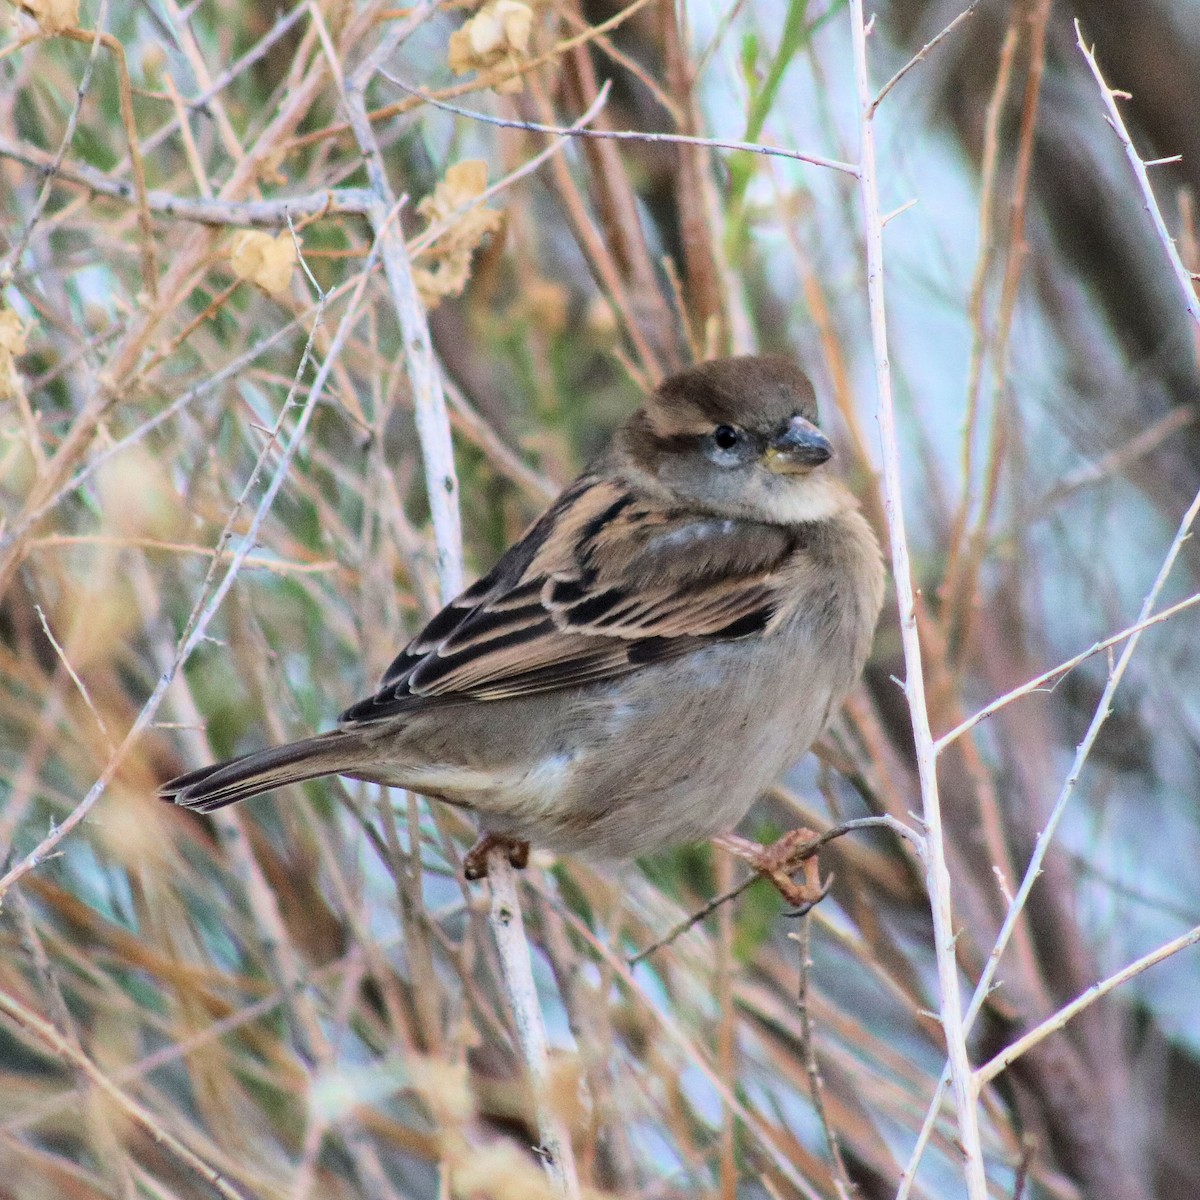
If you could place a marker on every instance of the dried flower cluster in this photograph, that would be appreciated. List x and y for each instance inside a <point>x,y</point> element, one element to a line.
<point>498,36</point>
<point>466,227</point>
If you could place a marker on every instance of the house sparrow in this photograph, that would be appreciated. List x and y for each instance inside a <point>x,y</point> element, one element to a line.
<point>647,658</point>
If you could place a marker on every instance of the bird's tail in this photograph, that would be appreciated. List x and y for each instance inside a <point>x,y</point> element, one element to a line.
<point>239,778</point>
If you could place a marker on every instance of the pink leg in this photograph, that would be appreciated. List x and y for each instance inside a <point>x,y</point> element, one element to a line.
<point>778,861</point>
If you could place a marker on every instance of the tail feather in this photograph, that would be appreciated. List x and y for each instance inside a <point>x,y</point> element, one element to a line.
<point>237,779</point>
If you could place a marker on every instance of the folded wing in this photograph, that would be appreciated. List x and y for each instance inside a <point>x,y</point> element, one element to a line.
<point>604,583</point>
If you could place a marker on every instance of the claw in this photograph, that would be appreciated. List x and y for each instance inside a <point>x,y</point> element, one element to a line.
<point>779,861</point>
<point>475,862</point>
<point>802,910</point>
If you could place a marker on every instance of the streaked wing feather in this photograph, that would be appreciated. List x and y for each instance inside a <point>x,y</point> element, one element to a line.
<point>603,584</point>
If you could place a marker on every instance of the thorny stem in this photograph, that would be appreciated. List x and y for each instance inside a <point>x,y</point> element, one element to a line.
<point>937,874</point>
<point>1039,1033</point>
<point>1192,304</point>
<point>433,431</point>
<point>1104,707</point>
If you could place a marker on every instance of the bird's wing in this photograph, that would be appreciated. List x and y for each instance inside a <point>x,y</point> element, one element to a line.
<point>604,583</point>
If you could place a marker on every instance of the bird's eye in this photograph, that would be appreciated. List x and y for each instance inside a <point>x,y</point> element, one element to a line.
<point>726,437</point>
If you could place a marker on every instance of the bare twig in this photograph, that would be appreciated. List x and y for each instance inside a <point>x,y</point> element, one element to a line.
<point>1033,870</point>
<point>11,536</point>
<point>80,686</point>
<point>54,163</point>
<point>1116,460</point>
<point>1084,749</point>
<point>199,102</point>
<point>484,79</point>
<point>630,135</point>
<point>1182,275</point>
<point>506,461</point>
<point>125,102</point>
<point>1117,672</point>
<point>807,850</point>
<point>937,875</point>
<point>990,1069</point>
<point>936,40</point>
<point>433,429</point>
<point>258,561</point>
<point>202,613</point>
<point>1016,905</point>
<point>508,928</point>
<point>1039,682</point>
<point>429,404</point>
<point>429,237</point>
<point>755,1123</point>
<point>61,1047</point>
<point>841,1177</point>
<point>259,214</point>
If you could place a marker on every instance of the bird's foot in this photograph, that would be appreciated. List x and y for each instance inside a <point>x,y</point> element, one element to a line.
<point>779,861</point>
<point>475,863</point>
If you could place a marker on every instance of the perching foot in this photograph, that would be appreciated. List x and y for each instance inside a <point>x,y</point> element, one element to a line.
<point>779,861</point>
<point>475,863</point>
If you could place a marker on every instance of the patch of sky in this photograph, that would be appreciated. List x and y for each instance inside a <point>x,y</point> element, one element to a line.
<point>701,1095</point>
<point>648,1142</point>
<point>260,401</point>
<point>558,1025</point>
<point>763,1094</point>
<point>107,891</point>
<point>1115,831</point>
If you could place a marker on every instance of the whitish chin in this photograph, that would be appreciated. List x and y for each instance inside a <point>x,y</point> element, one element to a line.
<point>797,499</point>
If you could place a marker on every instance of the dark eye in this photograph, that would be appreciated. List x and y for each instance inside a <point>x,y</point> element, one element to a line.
<point>726,437</point>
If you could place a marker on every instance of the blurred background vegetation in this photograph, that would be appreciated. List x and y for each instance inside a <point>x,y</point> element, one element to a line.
<point>300,994</point>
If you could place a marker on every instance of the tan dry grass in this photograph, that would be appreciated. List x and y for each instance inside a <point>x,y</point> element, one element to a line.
<point>299,998</point>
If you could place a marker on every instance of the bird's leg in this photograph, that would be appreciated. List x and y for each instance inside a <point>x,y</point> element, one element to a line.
<point>778,861</point>
<point>475,863</point>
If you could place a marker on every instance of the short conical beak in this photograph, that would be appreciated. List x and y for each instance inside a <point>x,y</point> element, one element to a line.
<point>798,447</point>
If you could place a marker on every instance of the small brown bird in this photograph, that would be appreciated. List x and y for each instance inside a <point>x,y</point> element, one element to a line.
<point>666,639</point>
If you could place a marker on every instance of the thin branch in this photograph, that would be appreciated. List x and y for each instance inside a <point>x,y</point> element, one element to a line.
<point>260,562</point>
<point>259,214</point>
<point>429,237</point>
<point>937,875</point>
<point>503,458</point>
<point>433,431</point>
<point>125,105</point>
<point>1104,706</point>
<point>755,1123</point>
<point>1052,676</point>
<point>13,258</point>
<point>200,617</point>
<point>936,40</point>
<point>1192,304</point>
<point>1182,275</point>
<point>1101,714</point>
<point>981,338</point>
<point>629,135</point>
<point>62,1048</point>
<point>484,79</point>
<point>12,535</point>
<point>429,403</point>
<point>1116,460</point>
<point>812,1068</point>
<point>199,103</point>
<point>1033,870</point>
<point>805,851</point>
<point>512,943</point>
<point>80,686</point>
<point>990,1069</point>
